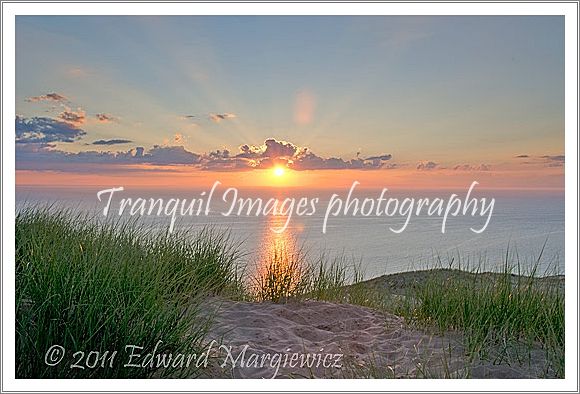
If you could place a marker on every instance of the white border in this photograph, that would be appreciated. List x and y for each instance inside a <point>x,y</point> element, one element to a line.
<point>8,183</point>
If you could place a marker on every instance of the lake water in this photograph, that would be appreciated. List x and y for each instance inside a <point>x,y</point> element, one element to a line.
<point>522,221</point>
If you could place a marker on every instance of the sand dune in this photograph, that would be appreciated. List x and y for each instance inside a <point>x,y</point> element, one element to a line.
<point>373,344</point>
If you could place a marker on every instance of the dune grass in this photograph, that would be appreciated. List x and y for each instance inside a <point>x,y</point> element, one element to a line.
<point>501,315</point>
<point>280,275</point>
<point>89,286</point>
<point>286,272</point>
<point>99,286</point>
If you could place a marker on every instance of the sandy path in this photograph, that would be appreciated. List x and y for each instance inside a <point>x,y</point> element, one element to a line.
<point>372,344</point>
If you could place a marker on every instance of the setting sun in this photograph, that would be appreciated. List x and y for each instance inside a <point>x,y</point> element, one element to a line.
<point>279,171</point>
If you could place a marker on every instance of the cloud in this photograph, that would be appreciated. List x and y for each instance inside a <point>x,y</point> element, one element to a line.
<point>219,154</point>
<point>219,117</point>
<point>310,161</point>
<point>278,148</point>
<point>43,158</point>
<point>105,118</point>
<point>77,117</point>
<point>426,165</point>
<point>111,142</point>
<point>48,97</point>
<point>40,130</point>
<point>225,164</point>
<point>554,161</point>
<point>469,167</point>
<point>178,138</point>
<point>381,158</point>
<point>249,151</point>
<point>271,152</point>
<point>392,166</point>
<point>556,158</point>
<point>165,155</point>
<point>191,119</point>
<point>522,156</point>
<point>301,158</point>
<point>270,148</point>
<point>545,160</point>
<point>137,152</point>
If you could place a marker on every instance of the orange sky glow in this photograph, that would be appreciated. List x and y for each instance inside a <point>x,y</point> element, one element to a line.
<point>405,178</point>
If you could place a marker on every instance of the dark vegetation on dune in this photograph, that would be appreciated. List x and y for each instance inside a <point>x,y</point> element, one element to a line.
<point>99,287</point>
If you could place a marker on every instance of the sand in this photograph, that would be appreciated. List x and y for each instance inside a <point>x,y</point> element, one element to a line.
<point>373,344</point>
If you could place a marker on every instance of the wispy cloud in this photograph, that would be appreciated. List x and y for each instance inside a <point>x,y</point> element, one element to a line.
<point>381,158</point>
<point>557,158</point>
<point>48,97</point>
<point>544,160</point>
<point>426,165</point>
<point>219,117</point>
<point>554,160</point>
<point>112,142</point>
<point>471,167</point>
<point>105,118</point>
<point>71,116</point>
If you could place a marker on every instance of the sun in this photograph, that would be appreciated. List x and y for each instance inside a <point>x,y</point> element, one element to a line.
<point>279,171</point>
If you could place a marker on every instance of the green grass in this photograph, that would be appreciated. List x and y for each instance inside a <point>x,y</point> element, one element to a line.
<point>287,272</point>
<point>501,315</point>
<point>90,286</point>
<point>281,274</point>
<point>99,286</point>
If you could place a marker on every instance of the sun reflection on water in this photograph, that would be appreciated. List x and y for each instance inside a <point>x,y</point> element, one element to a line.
<point>279,267</point>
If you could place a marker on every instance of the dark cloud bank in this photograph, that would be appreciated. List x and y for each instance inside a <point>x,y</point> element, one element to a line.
<point>36,149</point>
<point>36,138</point>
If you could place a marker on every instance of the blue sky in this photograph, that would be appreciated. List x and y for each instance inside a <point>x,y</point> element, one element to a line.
<point>446,89</point>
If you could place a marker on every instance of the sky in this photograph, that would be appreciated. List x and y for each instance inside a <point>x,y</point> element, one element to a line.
<point>409,101</point>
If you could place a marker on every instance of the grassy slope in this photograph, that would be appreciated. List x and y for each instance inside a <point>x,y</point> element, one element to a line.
<point>498,313</point>
<point>89,286</point>
<point>98,287</point>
